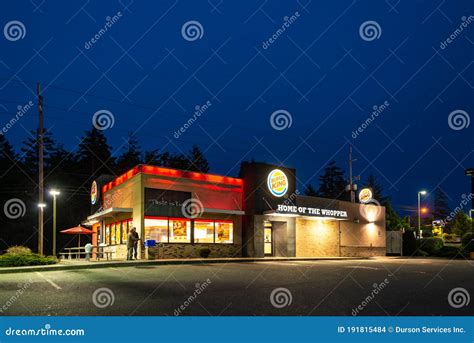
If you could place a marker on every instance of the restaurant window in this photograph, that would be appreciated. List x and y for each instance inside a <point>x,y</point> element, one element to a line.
<point>124,231</point>
<point>113,234</point>
<point>156,229</point>
<point>107,234</point>
<point>180,230</point>
<point>224,232</point>
<point>203,231</point>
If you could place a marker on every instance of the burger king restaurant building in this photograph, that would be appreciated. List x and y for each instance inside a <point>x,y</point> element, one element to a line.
<point>181,214</point>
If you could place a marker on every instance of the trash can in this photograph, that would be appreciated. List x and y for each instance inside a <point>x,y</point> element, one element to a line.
<point>150,249</point>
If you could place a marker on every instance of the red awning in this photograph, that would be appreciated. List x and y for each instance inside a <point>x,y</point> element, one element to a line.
<point>77,230</point>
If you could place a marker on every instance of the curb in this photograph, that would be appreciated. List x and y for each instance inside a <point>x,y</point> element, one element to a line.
<point>97,265</point>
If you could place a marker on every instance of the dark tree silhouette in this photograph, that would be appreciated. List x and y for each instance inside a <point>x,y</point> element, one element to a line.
<point>197,161</point>
<point>94,154</point>
<point>131,155</point>
<point>441,208</point>
<point>310,191</point>
<point>332,184</point>
<point>194,161</point>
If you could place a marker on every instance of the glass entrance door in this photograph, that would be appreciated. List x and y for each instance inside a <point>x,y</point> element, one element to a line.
<point>268,239</point>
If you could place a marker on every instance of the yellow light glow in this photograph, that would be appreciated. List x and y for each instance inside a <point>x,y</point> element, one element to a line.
<point>370,212</point>
<point>371,228</point>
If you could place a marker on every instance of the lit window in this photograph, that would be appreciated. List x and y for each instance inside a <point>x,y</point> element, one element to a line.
<point>124,231</point>
<point>180,231</point>
<point>156,229</point>
<point>107,234</point>
<point>203,231</point>
<point>112,234</point>
<point>224,232</point>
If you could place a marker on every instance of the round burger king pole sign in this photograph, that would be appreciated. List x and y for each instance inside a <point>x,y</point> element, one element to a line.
<point>94,193</point>
<point>365,195</point>
<point>277,183</point>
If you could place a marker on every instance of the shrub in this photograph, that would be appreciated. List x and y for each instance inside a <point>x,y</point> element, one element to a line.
<point>427,232</point>
<point>409,243</point>
<point>204,252</point>
<point>431,245</point>
<point>17,249</point>
<point>449,237</point>
<point>466,240</point>
<point>450,251</point>
<point>17,260</point>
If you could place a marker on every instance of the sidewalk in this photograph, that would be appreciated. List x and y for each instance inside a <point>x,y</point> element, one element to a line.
<point>75,264</point>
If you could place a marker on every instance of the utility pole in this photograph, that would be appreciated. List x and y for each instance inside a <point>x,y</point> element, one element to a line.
<point>40,171</point>
<point>470,172</point>
<point>351,187</point>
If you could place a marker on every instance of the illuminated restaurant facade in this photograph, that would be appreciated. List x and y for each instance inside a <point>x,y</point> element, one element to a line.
<point>180,214</point>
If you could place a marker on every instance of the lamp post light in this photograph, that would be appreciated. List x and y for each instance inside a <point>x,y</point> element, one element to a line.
<point>419,212</point>
<point>54,193</point>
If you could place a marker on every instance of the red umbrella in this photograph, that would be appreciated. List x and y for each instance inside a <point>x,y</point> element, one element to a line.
<point>78,230</point>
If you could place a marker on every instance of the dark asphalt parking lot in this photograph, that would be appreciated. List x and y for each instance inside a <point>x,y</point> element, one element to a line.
<point>404,287</point>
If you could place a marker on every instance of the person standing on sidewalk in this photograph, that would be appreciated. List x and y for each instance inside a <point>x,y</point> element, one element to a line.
<point>135,246</point>
<point>132,241</point>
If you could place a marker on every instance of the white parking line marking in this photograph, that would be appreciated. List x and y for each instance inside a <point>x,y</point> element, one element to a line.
<point>362,267</point>
<point>49,281</point>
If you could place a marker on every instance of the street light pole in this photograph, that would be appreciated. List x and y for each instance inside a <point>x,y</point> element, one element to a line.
<point>472,222</point>
<point>419,212</point>
<point>54,193</point>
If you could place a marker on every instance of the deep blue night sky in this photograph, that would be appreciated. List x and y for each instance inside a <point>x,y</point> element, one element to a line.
<point>320,70</point>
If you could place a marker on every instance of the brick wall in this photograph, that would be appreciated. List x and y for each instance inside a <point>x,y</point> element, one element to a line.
<point>317,238</point>
<point>177,250</point>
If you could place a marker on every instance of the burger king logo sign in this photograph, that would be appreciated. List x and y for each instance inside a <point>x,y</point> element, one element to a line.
<point>94,193</point>
<point>277,183</point>
<point>365,195</point>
